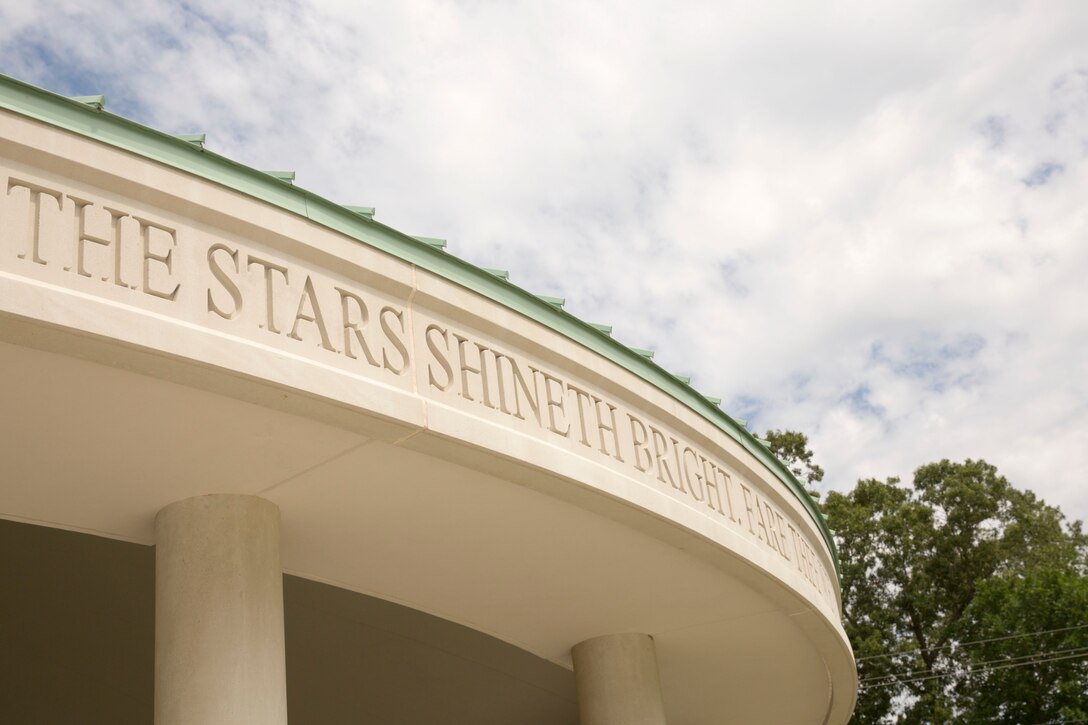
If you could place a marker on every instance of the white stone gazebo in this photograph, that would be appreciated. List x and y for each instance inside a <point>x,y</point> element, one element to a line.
<point>267,458</point>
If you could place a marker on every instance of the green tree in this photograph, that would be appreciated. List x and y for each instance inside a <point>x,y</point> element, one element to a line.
<point>1015,674</point>
<point>927,567</point>
<point>791,448</point>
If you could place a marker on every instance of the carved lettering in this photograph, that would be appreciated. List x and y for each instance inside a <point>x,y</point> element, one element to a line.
<point>309,310</point>
<point>581,399</point>
<point>269,289</point>
<point>640,438</point>
<point>88,227</point>
<point>90,243</point>
<point>553,397</point>
<point>714,494</point>
<point>748,507</point>
<point>660,453</point>
<point>500,381</point>
<point>439,357</point>
<point>766,523</point>
<point>394,338</point>
<point>609,427</point>
<point>698,496</point>
<point>114,239</point>
<point>783,547</point>
<point>728,480</point>
<point>467,369</point>
<point>353,324</point>
<point>522,388</point>
<point>170,237</point>
<point>36,211</point>
<point>224,279</point>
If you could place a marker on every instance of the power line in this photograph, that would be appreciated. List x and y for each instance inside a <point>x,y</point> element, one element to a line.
<point>977,665</point>
<point>981,671</point>
<point>972,642</point>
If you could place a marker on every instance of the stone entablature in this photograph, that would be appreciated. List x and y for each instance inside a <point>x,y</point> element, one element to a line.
<point>115,258</point>
<point>83,242</point>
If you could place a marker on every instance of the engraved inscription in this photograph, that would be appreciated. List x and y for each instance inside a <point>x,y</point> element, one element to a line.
<point>106,245</point>
<point>94,240</point>
<point>477,372</point>
<point>300,305</point>
<point>103,249</point>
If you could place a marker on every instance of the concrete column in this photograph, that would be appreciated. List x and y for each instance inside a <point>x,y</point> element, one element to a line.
<point>616,677</point>
<point>219,657</point>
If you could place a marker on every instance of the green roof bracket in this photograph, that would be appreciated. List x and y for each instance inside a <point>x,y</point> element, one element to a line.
<point>367,211</point>
<point>288,177</point>
<point>603,329</point>
<point>685,379</point>
<point>431,241</point>
<point>98,103</point>
<point>555,301</point>
<point>713,399</point>
<point>500,273</point>
<point>196,139</point>
<point>648,354</point>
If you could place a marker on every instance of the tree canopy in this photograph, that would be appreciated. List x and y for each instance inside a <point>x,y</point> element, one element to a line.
<point>965,598</point>
<point>791,448</point>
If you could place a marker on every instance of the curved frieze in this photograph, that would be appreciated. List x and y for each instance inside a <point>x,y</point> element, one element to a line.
<point>156,263</point>
<point>77,239</point>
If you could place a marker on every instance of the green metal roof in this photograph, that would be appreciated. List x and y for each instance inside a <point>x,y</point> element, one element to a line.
<point>430,242</point>
<point>287,176</point>
<point>85,115</point>
<point>367,211</point>
<point>196,139</point>
<point>554,301</point>
<point>98,103</point>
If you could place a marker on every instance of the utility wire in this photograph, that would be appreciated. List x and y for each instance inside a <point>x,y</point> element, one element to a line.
<point>980,671</point>
<point>977,641</point>
<point>895,675</point>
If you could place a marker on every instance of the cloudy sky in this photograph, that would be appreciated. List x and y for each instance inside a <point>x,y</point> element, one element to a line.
<point>865,221</point>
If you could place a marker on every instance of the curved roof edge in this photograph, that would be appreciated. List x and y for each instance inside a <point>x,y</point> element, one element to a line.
<point>92,121</point>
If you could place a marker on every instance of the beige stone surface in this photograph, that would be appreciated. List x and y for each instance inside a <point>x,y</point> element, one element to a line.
<point>617,681</point>
<point>166,337</point>
<point>79,631</point>
<point>219,638</point>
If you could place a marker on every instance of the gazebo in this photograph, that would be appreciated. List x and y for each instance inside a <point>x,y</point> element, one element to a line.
<point>266,458</point>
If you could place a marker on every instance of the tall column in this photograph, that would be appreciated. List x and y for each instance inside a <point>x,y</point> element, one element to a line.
<point>616,677</point>
<point>219,647</point>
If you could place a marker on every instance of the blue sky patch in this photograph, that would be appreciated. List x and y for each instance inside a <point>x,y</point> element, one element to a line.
<point>993,129</point>
<point>1042,174</point>
<point>931,361</point>
<point>858,400</point>
<point>72,79</point>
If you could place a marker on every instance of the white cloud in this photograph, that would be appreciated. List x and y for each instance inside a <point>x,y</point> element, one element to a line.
<point>862,221</point>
